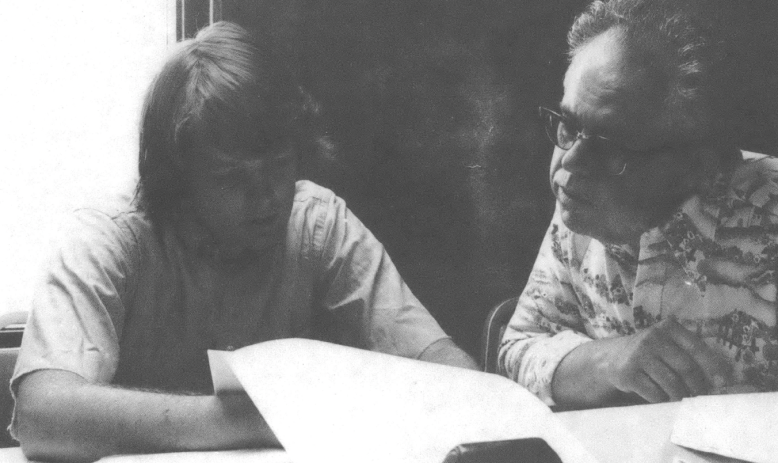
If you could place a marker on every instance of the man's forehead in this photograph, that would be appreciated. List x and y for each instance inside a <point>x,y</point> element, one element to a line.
<point>606,81</point>
<point>603,57</point>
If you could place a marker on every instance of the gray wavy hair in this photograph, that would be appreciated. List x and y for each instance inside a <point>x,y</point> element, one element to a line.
<point>688,40</point>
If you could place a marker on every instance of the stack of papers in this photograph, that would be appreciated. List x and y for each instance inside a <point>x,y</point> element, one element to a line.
<point>327,402</point>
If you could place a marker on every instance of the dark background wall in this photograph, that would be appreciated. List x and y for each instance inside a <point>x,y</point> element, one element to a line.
<point>431,107</point>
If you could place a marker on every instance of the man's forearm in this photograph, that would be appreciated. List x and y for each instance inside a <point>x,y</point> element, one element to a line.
<point>661,363</point>
<point>61,416</point>
<point>446,352</point>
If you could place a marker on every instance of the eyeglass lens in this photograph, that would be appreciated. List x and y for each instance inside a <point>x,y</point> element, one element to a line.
<point>559,132</point>
<point>564,135</point>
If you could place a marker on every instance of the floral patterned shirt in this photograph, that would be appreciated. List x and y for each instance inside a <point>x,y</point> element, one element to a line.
<point>712,266</point>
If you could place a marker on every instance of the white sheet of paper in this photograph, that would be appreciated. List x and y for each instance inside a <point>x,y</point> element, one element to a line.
<point>330,403</point>
<point>222,456</point>
<point>224,380</point>
<point>743,426</point>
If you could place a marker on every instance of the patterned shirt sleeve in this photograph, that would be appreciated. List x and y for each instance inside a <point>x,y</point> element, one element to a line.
<point>547,323</point>
<point>361,289</point>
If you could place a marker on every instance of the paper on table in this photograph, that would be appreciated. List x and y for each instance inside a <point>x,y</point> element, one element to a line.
<point>224,380</point>
<point>327,402</point>
<point>743,426</point>
<point>231,456</point>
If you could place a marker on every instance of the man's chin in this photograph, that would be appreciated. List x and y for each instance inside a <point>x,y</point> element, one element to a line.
<point>600,228</point>
<point>585,223</point>
<point>576,220</point>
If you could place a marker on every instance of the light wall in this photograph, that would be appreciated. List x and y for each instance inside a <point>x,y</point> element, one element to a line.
<point>72,80</point>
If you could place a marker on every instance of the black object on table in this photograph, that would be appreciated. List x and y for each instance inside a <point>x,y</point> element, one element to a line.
<point>530,450</point>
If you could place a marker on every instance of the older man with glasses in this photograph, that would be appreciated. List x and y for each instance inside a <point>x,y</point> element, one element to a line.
<point>656,279</point>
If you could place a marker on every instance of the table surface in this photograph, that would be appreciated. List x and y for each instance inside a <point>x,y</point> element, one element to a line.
<point>639,434</point>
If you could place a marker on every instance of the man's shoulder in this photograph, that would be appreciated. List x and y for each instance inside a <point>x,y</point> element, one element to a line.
<point>752,156</point>
<point>755,166</point>
<point>308,191</point>
<point>311,199</point>
<point>742,203</point>
<point>115,221</point>
<point>754,184</point>
<point>111,239</point>
<point>129,220</point>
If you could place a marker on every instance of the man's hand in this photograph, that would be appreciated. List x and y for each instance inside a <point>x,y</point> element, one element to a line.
<point>664,362</point>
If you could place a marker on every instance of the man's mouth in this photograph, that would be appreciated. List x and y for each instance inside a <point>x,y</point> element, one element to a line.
<point>565,195</point>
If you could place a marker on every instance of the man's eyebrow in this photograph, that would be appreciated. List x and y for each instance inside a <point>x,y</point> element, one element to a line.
<point>567,114</point>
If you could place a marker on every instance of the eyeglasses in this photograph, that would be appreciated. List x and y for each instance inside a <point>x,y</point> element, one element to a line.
<point>611,155</point>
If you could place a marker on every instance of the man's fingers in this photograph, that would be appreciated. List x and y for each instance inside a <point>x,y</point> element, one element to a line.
<point>685,366</point>
<point>668,362</point>
<point>645,387</point>
<point>714,366</point>
<point>668,380</point>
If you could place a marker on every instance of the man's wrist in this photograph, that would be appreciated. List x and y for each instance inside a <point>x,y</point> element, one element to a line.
<point>582,378</point>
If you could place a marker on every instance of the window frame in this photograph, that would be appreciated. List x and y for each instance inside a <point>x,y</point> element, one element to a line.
<point>193,15</point>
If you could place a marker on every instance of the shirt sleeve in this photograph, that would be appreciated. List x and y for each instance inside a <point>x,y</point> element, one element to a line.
<point>77,308</point>
<point>372,306</point>
<point>547,323</point>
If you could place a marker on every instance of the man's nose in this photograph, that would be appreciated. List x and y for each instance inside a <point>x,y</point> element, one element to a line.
<point>579,158</point>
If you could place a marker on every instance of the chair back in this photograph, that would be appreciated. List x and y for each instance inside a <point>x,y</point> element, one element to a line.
<point>494,327</point>
<point>11,330</point>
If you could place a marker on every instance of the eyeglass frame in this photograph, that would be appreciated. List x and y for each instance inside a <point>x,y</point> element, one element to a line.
<point>549,115</point>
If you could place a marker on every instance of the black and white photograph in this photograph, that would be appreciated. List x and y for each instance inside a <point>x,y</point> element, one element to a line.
<point>389,231</point>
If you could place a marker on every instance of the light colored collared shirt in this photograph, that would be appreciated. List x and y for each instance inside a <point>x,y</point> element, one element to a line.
<point>123,304</point>
<point>712,266</point>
